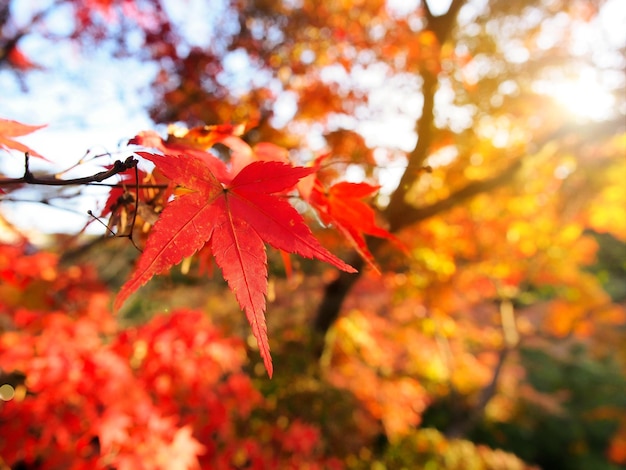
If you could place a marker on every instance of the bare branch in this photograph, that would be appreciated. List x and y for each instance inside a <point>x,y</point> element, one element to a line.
<point>29,178</point>
<point>460,429</point>
<point>405,215</point>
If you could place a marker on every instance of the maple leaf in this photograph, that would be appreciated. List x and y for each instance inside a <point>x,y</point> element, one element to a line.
<point>234,220</point>
<point>9,128</point>
<point>177,145</point>
<point>342,206</point>
<point>197,140</point>
<point>112,429</point>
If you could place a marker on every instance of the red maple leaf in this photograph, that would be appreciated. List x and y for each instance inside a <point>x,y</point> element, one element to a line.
<point>235,220</point>
<point>342,206</point>
<point>9,128</point>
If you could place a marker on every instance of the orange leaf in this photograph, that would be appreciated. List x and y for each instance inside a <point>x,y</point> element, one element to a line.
<point>10,129</point>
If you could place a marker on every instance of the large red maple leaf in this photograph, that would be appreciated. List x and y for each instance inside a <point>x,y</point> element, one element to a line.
<point>235,220</point>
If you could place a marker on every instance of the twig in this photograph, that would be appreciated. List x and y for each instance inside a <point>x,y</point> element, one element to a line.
<point>124,185</point>
<point>132,224</point>
<point>46,202</point>
<point>29,178</point>
<point>97,219</point>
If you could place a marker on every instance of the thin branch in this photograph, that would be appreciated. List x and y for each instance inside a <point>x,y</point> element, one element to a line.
<point>400,214</point>
<point>29,178</point>
<point>509,326</point>
<point>84,159</point>
<point>45,202</point>
<point>460,429</point>
<point>511,342</point>
<point>124,185</point>
<point>106,227</point>
<point>132,224</point>
<point>409,215</point>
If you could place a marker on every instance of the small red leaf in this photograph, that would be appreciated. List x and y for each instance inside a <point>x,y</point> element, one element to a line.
<point>341,205</point>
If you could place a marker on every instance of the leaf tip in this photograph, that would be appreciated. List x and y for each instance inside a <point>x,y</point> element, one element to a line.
<point>264,349</point>
<point>269,367</point>
<point>119,301</point>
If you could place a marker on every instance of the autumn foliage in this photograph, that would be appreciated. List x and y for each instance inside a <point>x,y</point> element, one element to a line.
<point>168,394</point>
<point>376,237</point>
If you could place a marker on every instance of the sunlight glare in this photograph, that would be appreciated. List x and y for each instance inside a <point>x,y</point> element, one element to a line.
<point>583,97</point>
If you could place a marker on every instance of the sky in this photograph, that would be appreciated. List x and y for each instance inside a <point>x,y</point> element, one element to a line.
<point>93,103</point>
<point>88,102</point>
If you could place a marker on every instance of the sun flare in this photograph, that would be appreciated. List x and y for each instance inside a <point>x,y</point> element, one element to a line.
<point>583,97</point>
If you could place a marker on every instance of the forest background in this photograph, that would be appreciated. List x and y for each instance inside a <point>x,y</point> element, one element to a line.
<point>467,157</point>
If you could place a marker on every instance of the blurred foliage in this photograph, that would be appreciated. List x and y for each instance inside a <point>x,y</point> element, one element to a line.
<point>568,411</point>
<point>498,334</point>
<point>610,267</point>
<point>428,449</point>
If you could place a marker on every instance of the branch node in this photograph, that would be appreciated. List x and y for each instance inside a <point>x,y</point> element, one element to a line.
<point>28,176</point>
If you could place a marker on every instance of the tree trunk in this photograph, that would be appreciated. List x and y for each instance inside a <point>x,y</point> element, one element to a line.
<point>396,212</point>
<point>334,295</point>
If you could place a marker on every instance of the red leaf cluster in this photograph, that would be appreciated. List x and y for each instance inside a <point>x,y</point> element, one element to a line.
<point>170,394</point>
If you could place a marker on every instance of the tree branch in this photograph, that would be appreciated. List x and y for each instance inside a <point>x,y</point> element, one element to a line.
<point>29,178</point>
<point>402,214</point>
<point>442,27</point>
<point>400,217</point>
<point>423,128</point>
<point>334,295</point>
<point>459,429</point>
